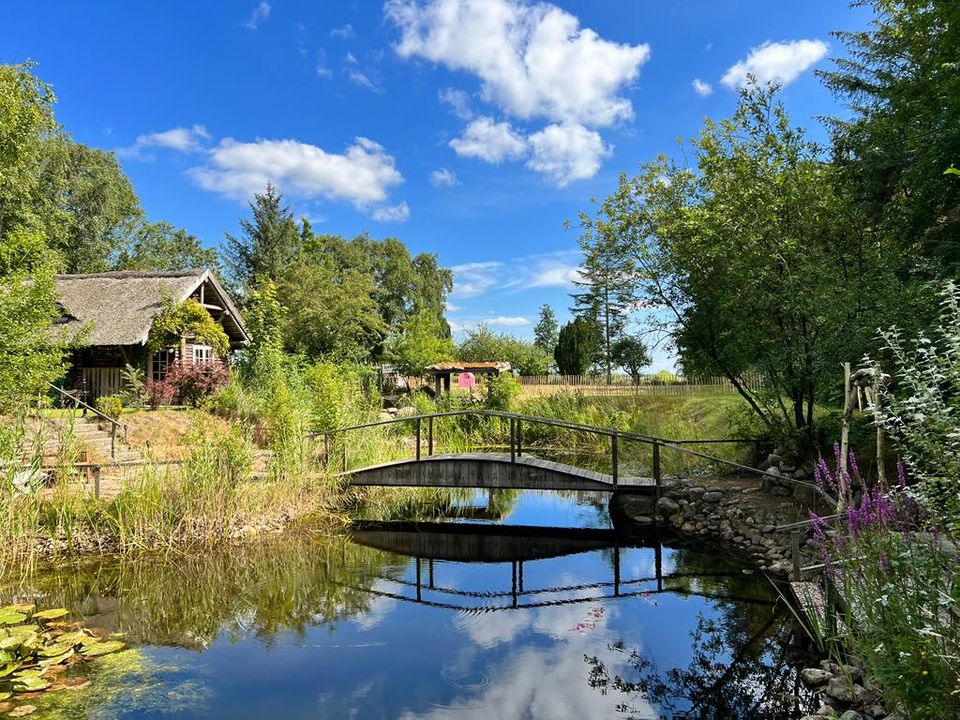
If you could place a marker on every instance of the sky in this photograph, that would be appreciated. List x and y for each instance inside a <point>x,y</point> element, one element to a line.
<point>473,129</point>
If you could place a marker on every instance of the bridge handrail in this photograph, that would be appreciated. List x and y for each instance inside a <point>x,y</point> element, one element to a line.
<point>656,442</point>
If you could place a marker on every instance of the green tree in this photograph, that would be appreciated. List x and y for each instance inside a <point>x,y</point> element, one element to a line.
<point>31,354</point>
<point>267,244</point>
<point>546,330</point>
<point>419,342</point>
<point>758,262</point>
<point>481,344</point>
<point>578,346</point>
<point>162,247</point>
<point>630,353</point>
<point>89,210</point>
<point>900,79</point>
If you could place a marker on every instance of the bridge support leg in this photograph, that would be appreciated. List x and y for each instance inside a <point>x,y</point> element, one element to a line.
<point>616,571</point>
<point>656,468</point>
<point>658,559</point>
<point>417,560</point>
<point>513,440</point>
<point>615,458</point>
<point>419,435</point>
<point>430,437</point>
<point>513,584</point>
<point>519,437</point>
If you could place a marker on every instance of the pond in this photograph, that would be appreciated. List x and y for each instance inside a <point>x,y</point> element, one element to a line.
<point>522,606</point>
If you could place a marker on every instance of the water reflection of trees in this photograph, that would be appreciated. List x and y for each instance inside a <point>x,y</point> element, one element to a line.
<point>188,599</point>
<point>741,667</point>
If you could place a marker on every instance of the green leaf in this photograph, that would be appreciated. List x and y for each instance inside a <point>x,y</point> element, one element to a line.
<point>57,659</point>
<point>5,696</point>
<point>103,648</point>
<point>11,618</point>
<point>51,614</point>
<point>31,684</point>
<point>20,608</point>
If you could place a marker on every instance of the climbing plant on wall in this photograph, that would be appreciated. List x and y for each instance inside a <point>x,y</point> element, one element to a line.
<point>186,319</point>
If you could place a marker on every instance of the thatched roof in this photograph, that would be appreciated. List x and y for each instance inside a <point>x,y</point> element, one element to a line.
<point>119,307</point>
<point>443,368</point>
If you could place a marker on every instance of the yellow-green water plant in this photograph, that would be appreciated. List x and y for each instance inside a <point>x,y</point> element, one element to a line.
<point>37,647</point>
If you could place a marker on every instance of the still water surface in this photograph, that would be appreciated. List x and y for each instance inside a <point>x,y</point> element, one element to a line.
<point>493,621</point>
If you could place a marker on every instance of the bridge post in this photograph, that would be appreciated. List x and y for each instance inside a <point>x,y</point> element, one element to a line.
<point>430,437</point>
<point>519,437</point>
<point>513,440</point>
<point>615,458</point>
<point>326,450</point>
<point>419,424</point>
<point>616,570</point>
<point>656,468</point>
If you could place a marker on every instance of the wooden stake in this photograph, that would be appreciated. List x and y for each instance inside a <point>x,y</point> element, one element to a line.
<point>847,412</point>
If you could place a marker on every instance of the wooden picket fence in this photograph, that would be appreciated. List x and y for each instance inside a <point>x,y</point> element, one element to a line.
<point>624,385</point>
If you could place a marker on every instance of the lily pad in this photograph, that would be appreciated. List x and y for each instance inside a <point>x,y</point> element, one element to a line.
<point>12,618</point>
<point>58,648</point>
<point>57,659</point>
<point>20,608</point>
<point>22,711</point>
<point>26,674</point>
<point>5,695</point>
<point>51,614</point>
<point>103,648</point>
<point>31,684</point>
<point>10,642</point>
<point>7,669</point>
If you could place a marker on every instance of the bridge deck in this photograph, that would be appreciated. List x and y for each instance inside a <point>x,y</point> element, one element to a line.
<point>493,470</point>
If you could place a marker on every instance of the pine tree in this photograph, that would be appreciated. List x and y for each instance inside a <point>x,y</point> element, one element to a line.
<point>267,242</point>
<point>545,333</point>
<point>578,346</point>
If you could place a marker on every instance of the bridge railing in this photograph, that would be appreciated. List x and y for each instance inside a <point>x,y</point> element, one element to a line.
<point>425,434</point>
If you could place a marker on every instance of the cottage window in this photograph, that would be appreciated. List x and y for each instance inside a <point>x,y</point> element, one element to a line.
<point>162,360</point>
<point>202,354</point>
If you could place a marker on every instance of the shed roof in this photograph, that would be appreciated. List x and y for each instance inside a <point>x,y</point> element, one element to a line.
<point>120,307</point>
<point>443,368</point>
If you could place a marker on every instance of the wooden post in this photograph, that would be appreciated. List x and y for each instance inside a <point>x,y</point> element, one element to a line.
<point>658,564</point>
<point>513,584</point>
<point>795,550</point>
<point>418,579</point>
<point>615,458</point>
<point>881,472</point>
<point>616,571</point>
<point>419,435</point>
<point>519,437</point>
<point>96,481</point>
<point>430,567</point>
<point>326,450</point>
<point>513,439</point>
<point>656,469</point>
<point>113,441</point>
<point>430,437</point>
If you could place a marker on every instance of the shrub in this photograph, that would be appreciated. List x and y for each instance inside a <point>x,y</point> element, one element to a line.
<point>110,405</point>
<point>195,382</point>
<point>159,393</point>
<point>502,391</point>
<point>134,390</point>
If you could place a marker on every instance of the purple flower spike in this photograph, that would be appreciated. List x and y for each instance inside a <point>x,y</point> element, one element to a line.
<point>901,474</point>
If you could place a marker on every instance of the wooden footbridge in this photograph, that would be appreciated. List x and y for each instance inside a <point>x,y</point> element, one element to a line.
<point>513,467</point>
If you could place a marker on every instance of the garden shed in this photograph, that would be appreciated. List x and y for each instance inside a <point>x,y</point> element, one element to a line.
<point>111,315</point>
<point>443,372</point>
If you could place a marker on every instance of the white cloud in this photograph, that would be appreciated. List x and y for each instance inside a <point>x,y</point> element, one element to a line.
<point>343,33</point>
<point>450,307</point>
<point>391,213</point>
<point>533,60</point>
<point>507,321</point>
<point>443,178</point>
<point>260,13</point>
<point>475,278</point>
<point>458,100</point>
<point>490,141</point>
<point>702,88</point>
<point>182,139</point>
<point>780,62</point>
<point>364,81</point>
<point>363,175</point>
<point>350,58</point>
<point>324,72</point>
<point>565,153</point>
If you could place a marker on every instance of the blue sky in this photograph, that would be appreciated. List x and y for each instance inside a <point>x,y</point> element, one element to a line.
<point>468,128</point>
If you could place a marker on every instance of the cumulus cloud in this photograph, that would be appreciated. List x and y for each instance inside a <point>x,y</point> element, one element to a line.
<point>343,33</point>
<point>490,141</point>
<point>565,153</point>
<point>458,100</point>
<point>391,213</point>
<point>780,62</point>
<point>362,175</point>
<point>533,60</point>
<point>559,269</point>
<point>443,178</point>
<point>702,88</point>
<point>260,13</point>
<point>507,321</point>
<point>182,139</point>
<point>474,278</point>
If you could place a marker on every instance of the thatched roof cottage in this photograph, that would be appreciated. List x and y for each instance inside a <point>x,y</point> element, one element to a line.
<point>113,313</point>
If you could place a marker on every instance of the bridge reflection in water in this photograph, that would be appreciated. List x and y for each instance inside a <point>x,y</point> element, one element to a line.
<point>428,542</point>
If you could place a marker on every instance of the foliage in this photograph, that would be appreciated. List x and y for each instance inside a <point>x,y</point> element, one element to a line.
<point>264,315</point>
<point>133,386</point>
<point>481,344</point>
<point>267,242</point>
<point>898,589</point>
<point>31,354</point>
<point>419,343</point>
<point>578,346</point>
<point>920,409</point>
<point>188,319</point>
<point>195,382</point>
<point>90,209</point>
<point>159,393</point>
<point>630,353</point>
<point>757,262</point>
<point>110,405</point>
<point>899,78</point>
<point>546,330</point>
<point>332,391</point>
<point>161,247</point>
<point>503,391</point>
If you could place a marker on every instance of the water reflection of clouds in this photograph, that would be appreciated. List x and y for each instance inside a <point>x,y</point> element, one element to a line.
<point>379,608</point>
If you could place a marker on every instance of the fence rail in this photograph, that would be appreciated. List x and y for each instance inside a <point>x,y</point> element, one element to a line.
<point>646,384</point>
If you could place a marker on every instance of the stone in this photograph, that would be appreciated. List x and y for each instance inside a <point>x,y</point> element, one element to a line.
<point>814,676</point>
<point>851,715</point>
<point>768,529</point>
<point>665,506</point>
<point>779,490</point>
<point>840,689</point>
<point>876,710</point>
<point>642,519</point>
<point>712,497</point>
<point>384,416</point>
<point>774,459</point>
<point>688,528</point>
<point>897,714</point>
<point>853,672</point>
<point>773,470</point>
<point>407,412</point>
